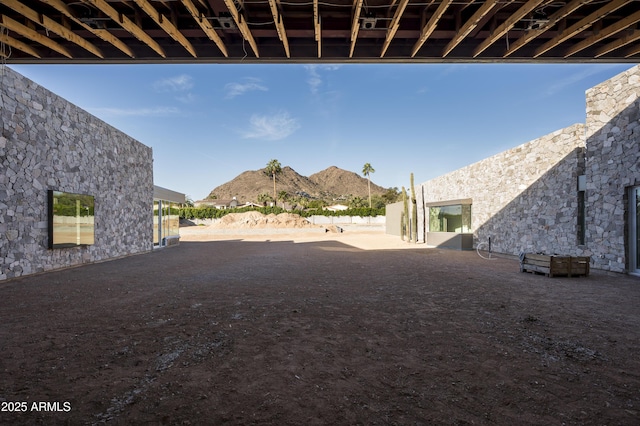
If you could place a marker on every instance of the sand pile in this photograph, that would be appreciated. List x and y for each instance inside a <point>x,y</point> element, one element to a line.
<point>257,220</point>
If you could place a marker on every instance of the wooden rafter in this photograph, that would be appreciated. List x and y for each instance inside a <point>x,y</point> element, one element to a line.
<point>355,24</point>
<point>127,24</point>
<point>507,25</point>
<point>553,19</point>
<point>166,25</point>
<point>242,26</point>
<point>17,44</point>
<point>206,26</point>
<point>621,42</point>
<point>51,25</point>
<point>469,26</point>
<point>430,26</point>
<point>277,19</point>
<point>316,27</point>
<point>393,27</point>
<point>632,51</point>
<point>580,26</point>
<point>604,33</point>
<point>33,35</point>
<point>102,34</point>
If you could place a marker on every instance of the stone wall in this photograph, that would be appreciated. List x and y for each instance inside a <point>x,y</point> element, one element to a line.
<point>612,166</point>
<point>524,199</point>
<point>48,143</point>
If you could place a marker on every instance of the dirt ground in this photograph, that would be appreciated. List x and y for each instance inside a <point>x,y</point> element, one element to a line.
<point>322,329</point>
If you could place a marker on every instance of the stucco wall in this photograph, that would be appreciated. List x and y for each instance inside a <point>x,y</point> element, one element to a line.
<point>612,166</point>
<point>48,143</point>
<point>525,198</point>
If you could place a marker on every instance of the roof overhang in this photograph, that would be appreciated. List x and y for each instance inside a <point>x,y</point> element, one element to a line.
<point>303,31</point>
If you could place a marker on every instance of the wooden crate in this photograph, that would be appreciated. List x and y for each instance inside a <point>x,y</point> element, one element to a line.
<point>554,266</point>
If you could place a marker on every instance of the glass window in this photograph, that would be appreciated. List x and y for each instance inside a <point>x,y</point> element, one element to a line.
<point>156,217</point>
<point>455,218</point>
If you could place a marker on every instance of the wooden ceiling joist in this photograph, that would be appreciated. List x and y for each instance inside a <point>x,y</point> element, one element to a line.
<point>33,35</point>
<point>206,26</point>
<point>633,51</point>
<point>127,24</point>
<point>393,27</point>
<point>166,25</point>
<point>430,26</point>
<point>17,44</point>
<point>102,34</point>
<point>621,42</point>
<point>241,23</point>
<point>470,25</point>
<point>316,27</point>
<point>355,25</point>
<point>504,28</point>
<point>580,26</point>
<point>51,25</point>
<point>532,34</point>
<point>277,19</point>
<point>604,33</point>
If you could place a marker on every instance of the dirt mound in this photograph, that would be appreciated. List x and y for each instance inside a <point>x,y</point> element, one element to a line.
<point>248,220</point>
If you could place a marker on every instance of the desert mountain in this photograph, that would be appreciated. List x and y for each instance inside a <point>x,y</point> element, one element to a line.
<point>331,184</point>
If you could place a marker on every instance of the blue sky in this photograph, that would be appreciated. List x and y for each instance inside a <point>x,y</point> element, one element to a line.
<point>209,123</point>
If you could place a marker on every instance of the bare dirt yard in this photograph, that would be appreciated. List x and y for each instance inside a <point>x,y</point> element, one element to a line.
<point>317,329</point>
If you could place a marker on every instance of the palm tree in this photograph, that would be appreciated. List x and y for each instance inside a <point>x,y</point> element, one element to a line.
<point>273,168</point>
<point>283,196</point>
<point>367,170</point>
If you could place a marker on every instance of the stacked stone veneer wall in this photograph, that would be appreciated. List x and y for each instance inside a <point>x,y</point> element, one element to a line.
<point>612,166</point>
<point>48,143</point>
<point>525,198</point>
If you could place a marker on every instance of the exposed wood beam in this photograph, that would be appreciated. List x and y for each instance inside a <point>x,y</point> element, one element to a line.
<point>525,9</point>
<point>242,26</point>
<point>33,35</point>
<point>17,44</point>
<point>103,34</point>
<point>469,25</point>
<point>277,19</point>
<point>355,24</point>
<point>621,42</point>
<point>553,19</point>
<point>127,24</point>
<point>632,51</point>
<point>166,25</point>
<point>316,27</point>
<point>393,27</point>
<point>604,33</point>
<point>206,26</point>
<point>51,25</point>
<point>580,26</point>
<point>431,26</point>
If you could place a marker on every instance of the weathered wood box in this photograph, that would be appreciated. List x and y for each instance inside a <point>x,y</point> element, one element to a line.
<point>554,266</point>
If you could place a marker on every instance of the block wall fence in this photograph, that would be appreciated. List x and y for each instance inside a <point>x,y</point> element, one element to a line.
<point>48,143</point>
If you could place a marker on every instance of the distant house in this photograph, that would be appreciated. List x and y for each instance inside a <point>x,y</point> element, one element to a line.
<point>337,208</point>
<point>218,204</point>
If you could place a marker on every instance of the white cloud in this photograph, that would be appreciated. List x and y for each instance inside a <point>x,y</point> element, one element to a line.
<point>180,83</point>
<point>138,112</point>
<point>315,77</point>
<point>271,127</point>
<point>237,89</point>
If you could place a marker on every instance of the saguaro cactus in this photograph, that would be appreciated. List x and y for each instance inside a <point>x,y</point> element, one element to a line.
<point>414,213</point>
<point>405,221</point>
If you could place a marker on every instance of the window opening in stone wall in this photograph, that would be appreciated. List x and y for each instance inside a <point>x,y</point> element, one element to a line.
<point>581,218</point>
<point>634,230</point>
<point>455,218</point>
<point>71,220</point>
